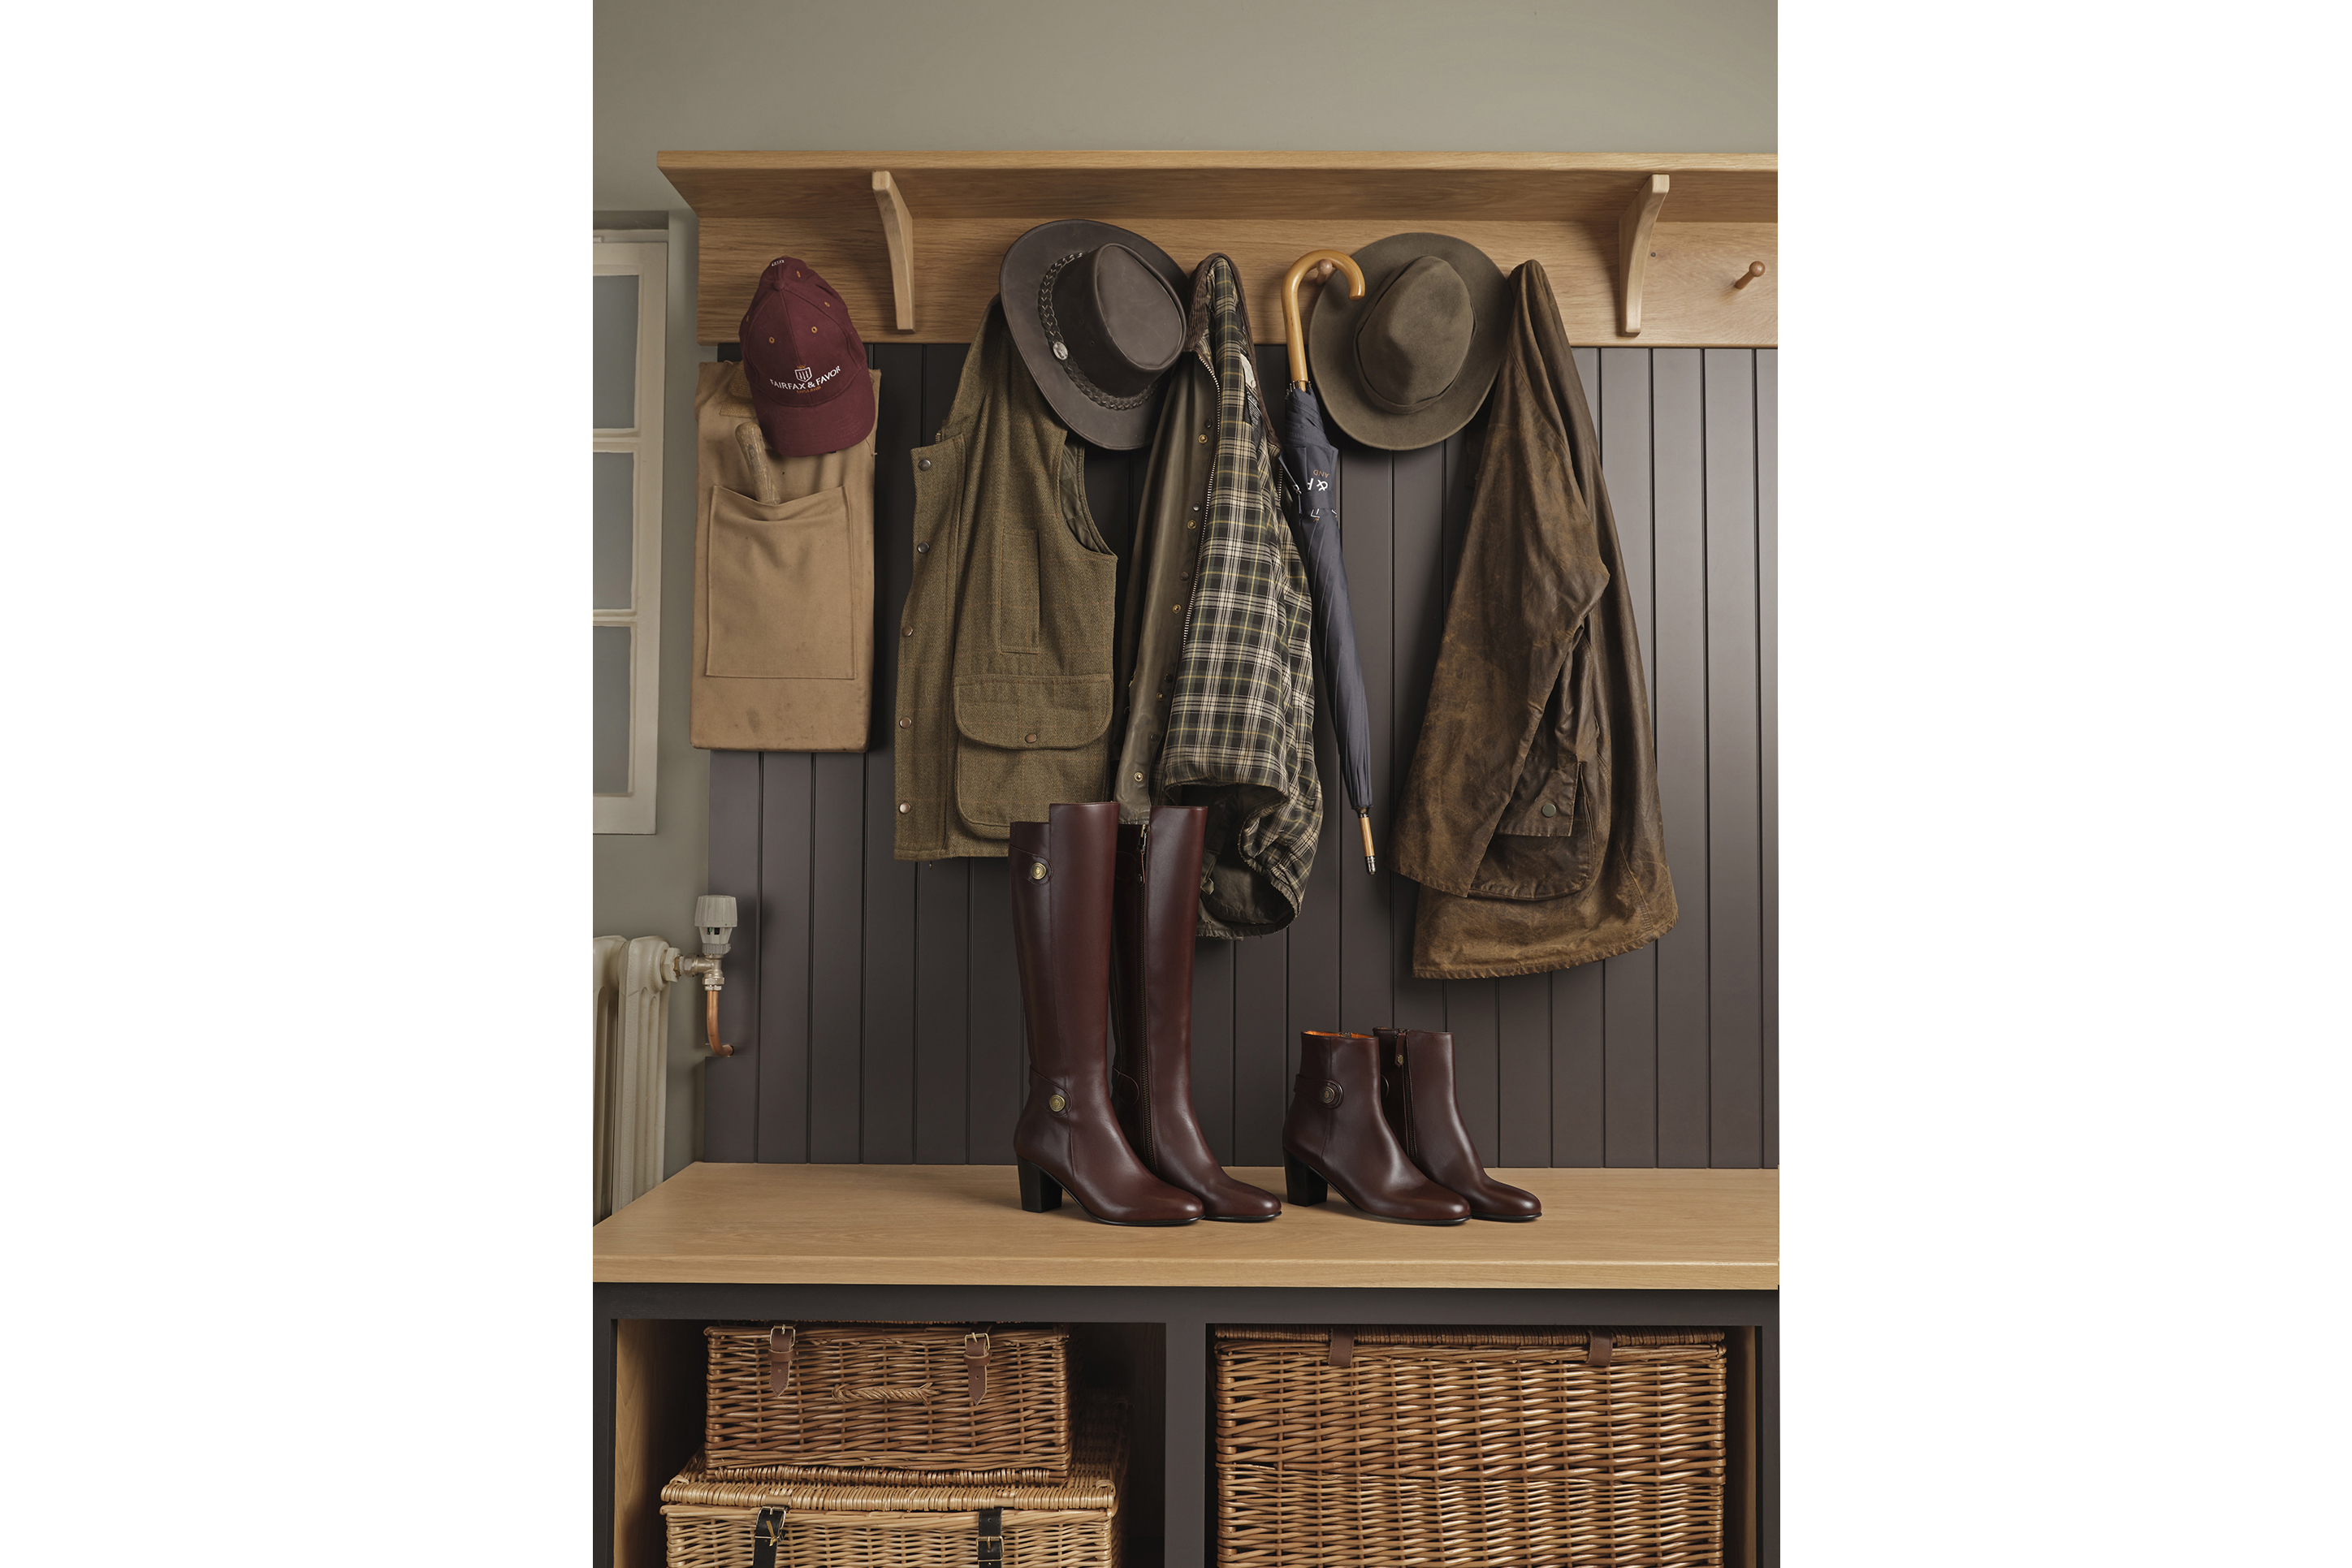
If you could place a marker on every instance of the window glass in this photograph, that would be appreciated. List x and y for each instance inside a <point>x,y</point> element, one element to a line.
<point>615,352</point>
<point>616,512</point>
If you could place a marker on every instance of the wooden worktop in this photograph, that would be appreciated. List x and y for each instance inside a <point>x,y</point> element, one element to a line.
<point>949,1225</point>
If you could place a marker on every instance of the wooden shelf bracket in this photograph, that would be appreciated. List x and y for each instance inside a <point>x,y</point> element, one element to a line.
<point>899,233</point>
<point>1632,250</point>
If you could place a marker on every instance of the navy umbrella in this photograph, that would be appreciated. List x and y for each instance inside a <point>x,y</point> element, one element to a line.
<point>1311,464</point>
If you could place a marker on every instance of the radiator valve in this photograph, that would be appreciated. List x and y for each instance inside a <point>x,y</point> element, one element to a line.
<point>714,917</point>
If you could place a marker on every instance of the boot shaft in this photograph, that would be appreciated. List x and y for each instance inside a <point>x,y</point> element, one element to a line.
<point>1338,1075</point>
<point>1061,876</point>
<point>1417,1085</point>
<point>1156,903</point>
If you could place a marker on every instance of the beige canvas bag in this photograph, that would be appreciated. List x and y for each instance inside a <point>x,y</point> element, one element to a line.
<point>783,584</point>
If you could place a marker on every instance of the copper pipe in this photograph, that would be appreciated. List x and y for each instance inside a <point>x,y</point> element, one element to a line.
<point>710,1027</point>
<point>1290,324</point>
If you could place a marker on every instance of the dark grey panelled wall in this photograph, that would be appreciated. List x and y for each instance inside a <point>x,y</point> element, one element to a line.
<point>873,1003</point>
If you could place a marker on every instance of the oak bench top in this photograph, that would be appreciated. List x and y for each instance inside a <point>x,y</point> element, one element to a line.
<point>955,1225</point>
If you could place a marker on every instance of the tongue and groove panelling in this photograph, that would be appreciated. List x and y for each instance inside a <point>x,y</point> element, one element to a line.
<point>874,1005</point>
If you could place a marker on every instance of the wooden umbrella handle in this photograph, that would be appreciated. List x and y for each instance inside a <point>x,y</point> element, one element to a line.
<point>1296,333</point>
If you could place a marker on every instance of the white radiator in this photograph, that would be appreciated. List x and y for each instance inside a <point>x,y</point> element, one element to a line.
<point>631,986</point>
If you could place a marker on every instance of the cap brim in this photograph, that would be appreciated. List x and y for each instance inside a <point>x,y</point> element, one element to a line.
<point>1331,336</point>
<point>795,430</point>
<point>1025,261</point>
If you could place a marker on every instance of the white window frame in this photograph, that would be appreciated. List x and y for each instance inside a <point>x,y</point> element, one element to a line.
<point>645,255</point>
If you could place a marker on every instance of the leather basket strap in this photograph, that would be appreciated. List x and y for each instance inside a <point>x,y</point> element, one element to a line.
<point>780,1340</point>
<point>975,1364</point>
<point>767,1534</point>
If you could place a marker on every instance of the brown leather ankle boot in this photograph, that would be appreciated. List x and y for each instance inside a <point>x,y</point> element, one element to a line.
<point>1068,1135</point>
<point>1155,910</point>
<point>1336,1135</point>
<point>1417,1098</point>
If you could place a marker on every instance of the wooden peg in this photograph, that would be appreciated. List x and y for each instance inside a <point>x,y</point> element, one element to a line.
<point>1633,251</point>
<point>899,233</point>
<point>1755,270</point>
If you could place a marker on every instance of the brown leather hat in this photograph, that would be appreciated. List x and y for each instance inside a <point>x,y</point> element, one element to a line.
<point>1408,364</point>
<point>1098,316</point>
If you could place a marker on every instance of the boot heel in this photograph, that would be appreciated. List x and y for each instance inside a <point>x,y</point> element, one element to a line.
<point>1039,1192</point>
<point>1305,1187</point>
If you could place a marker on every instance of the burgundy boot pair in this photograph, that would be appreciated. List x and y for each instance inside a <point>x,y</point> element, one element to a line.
<point>1086,886</point>
<point>1376,1118</point>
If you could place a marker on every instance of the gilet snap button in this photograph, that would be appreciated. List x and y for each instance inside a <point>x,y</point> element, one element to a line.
<point>1548,810</point>
<point>923,463</point>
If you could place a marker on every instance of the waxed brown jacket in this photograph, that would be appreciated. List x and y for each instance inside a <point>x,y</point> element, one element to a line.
<point>1531,817</point>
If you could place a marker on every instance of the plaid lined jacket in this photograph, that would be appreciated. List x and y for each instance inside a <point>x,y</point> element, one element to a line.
<point>1220,680</point>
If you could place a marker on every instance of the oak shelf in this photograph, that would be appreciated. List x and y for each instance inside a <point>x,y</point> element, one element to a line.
<point>1264,209</point>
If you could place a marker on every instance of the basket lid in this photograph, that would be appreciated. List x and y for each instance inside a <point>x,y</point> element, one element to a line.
<point>1098,1462</point>
<point>1468,1338</point>
<point>814,1329</point>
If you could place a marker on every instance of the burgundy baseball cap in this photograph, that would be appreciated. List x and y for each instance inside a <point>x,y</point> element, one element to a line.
<point>805,362</point>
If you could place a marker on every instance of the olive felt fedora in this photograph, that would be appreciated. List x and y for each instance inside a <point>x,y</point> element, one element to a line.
<point>1409,363</point>
<point>1098,316</point>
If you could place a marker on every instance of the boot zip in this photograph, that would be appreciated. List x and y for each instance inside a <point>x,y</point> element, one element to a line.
<point>1143,996</point>
<point>1404,1098</point>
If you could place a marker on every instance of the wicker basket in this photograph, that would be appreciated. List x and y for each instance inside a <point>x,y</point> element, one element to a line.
<point>1424,1446</point>
<point>896,1396</point>
<point>918,1521</point>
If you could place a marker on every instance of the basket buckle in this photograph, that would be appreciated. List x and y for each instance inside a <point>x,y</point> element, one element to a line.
<point>989,1550</point>
<point>975,1364</point>
<point>767,1534</point>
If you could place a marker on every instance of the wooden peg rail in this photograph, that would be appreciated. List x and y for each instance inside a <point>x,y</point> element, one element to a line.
<point>1639,247</point>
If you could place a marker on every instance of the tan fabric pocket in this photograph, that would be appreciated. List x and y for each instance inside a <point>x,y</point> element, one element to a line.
<point>1026,743</point>
<point>780,594</point>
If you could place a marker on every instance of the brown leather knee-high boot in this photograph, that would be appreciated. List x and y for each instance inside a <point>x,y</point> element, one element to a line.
<point>1417,1098</point>
<point>1156,909</point>
<point>1068,1135</point>
<point>1336,1135</point>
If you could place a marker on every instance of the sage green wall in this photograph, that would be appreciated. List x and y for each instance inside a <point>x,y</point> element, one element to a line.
<point>1619,75</point>
<point>1623,76</point>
